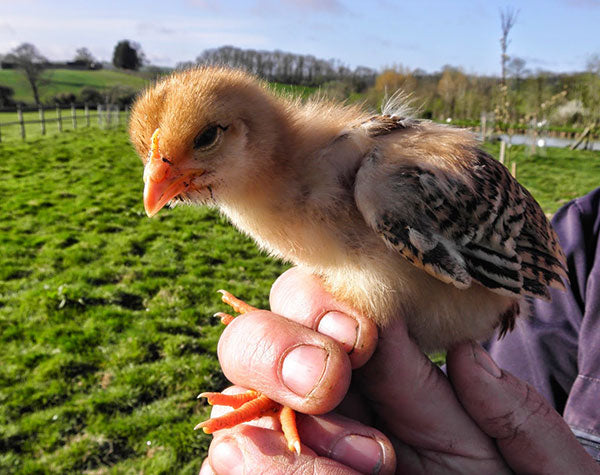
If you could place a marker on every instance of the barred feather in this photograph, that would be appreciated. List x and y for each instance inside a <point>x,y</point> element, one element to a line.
<point>459,215</point>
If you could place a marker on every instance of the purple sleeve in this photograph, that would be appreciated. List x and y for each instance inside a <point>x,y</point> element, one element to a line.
<point>557,349</point>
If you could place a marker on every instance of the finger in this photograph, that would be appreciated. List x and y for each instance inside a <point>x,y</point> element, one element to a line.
<point>343,439</point>
<point>301,297</point>
<point>288,362</point>
<point>415,401</point>
<point>349,442</point>
<point>249,449</point>
<point>531,435</point>
<point>206,469</point>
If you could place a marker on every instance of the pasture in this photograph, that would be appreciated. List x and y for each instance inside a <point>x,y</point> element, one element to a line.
<point>55,81</point>
<point>106,324</point>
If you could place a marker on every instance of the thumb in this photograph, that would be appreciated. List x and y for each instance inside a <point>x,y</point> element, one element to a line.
<point>531,436</point>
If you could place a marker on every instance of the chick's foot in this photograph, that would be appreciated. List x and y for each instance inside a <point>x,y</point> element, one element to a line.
<point>251,404</point>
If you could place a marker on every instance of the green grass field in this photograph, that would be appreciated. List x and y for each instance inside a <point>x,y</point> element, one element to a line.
<point>56,81</point>
<point>105,315</point>
<point>10,130</point>
<point>106,324</point>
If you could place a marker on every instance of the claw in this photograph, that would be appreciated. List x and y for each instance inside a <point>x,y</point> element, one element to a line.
<point>231,400</point>
<point>226,319</point>
<point>238,305</point>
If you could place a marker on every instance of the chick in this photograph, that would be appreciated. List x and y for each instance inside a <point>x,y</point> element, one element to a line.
<point>401,218</point>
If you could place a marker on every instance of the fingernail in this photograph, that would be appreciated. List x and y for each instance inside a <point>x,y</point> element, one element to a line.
<point>359,452</point>
<point>485,361</point>
<point>341,328</point>
<point>303,368</point>
<point>226,457</point>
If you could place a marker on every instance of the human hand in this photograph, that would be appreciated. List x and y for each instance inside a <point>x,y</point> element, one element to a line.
<point>479,419</point>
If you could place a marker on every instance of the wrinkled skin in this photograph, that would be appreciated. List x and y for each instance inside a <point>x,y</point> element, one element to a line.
<point>401,413</point>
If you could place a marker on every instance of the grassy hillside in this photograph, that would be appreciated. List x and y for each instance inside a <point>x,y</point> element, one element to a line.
<point>106,334</point>
<point>66,80</point>
<point>55,81</point>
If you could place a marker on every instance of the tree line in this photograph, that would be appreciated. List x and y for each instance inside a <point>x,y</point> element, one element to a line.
<point>284,67</point>
<point>518,97</point>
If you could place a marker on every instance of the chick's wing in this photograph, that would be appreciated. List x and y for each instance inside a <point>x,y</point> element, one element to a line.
<point>454,211</point>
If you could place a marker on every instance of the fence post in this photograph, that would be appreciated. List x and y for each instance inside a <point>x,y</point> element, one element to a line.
<point>21,121</point>
<point>534,133</point>
<point>99,108</point>
<point>108,116</point>
<point>483,126</point>
<point>42,120</point>
<point>117,114</point>
<point>59,117</point>
<point>73,116</point>
<point>87,115</point>
<point>0,134</point>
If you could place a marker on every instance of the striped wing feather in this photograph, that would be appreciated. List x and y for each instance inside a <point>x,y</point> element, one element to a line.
<point>478,224</point>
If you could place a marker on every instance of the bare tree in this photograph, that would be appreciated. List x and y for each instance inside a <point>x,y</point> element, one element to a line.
<point>28,59</point>
<point>508,18</point>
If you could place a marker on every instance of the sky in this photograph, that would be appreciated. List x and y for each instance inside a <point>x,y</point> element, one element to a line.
<point>554,35</point>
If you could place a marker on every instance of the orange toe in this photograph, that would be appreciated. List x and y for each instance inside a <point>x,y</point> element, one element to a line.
<point>257,406</point>
<point>231,400</point>
<point>287,417</point>
<point>238,305</point>
<point>226,319</point>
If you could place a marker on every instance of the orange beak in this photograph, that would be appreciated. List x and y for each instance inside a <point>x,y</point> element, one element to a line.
<point>163,180</point>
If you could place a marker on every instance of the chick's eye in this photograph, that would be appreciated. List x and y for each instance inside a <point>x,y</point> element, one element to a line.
<point>208,137</point>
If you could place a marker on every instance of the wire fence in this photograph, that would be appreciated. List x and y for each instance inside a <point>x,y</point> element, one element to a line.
<point>21,123</point>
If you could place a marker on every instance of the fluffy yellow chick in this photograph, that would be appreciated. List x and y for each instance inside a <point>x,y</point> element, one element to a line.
<point>399,217</point>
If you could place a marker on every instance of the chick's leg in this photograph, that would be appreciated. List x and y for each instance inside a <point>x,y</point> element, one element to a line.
<point>250,404</point>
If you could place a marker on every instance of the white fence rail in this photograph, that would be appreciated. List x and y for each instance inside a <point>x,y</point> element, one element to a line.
<point>24,123</point>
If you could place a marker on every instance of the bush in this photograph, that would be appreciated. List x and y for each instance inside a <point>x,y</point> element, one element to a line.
<point>6,96</point>
<point>91,95</point>
<point>337,90</point>
<point>64,98</point>
<point>122,95</point>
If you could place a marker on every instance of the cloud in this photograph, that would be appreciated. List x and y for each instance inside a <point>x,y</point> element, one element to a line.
<point>186,36</point>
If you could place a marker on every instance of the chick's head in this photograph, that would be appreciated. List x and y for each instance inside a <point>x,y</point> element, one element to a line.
<point>203,134</point>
